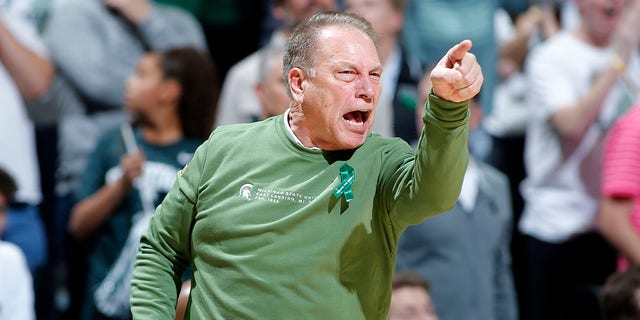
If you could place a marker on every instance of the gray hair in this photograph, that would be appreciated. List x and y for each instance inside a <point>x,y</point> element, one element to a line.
<point>302,45</point>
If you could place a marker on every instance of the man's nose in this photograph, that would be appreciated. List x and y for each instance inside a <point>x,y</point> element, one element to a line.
<point>366,88</point>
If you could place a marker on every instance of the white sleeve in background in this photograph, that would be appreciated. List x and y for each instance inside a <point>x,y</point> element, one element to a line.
<point>18,155</point>
<point>509,114</point>
<point>504,27</point>
<point>16,286</point>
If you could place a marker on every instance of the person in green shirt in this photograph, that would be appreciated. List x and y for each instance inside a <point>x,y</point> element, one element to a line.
<point>299,215</point>
<point>172,107</point>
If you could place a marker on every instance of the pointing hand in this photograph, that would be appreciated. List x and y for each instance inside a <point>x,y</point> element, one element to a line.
<point>457,77</point>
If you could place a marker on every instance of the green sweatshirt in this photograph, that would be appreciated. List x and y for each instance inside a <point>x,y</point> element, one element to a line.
<point>255,216</point>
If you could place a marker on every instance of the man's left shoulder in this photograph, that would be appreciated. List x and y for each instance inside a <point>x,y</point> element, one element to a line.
<point>378,143</point>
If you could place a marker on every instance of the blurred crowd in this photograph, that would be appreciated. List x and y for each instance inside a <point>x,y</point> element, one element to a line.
<point>102,102</point>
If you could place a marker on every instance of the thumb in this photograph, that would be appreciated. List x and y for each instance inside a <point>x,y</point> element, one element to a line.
<point>457,52</point>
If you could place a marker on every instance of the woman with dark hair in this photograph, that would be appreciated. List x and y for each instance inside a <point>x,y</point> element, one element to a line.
<point>195,73</point>
<point>171,97</point>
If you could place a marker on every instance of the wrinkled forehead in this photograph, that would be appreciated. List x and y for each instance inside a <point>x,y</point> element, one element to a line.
<point>346,43</point>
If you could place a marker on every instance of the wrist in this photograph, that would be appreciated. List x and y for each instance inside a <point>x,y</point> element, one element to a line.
<point>124,183</point>
<point>139,13</point>
<point>617,63</point>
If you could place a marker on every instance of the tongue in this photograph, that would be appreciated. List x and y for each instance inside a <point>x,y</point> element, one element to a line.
<point>355,116</point>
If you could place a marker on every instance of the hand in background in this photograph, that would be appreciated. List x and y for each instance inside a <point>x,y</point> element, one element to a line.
<point>132,165</point>
<point>626,38</point>
<point>135,11</point>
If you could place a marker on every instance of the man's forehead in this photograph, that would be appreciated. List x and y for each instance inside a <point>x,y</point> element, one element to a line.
<point>346,45</point>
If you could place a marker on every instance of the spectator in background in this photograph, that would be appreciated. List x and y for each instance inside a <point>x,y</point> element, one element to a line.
<point>477,229</point>
<point>270,89</point>
<point>410,298</point>
<point>507,122</point>
<point>25,75</point>
<point>96,45</point>
<point>30,142</point>
<point>224,22</point>
<point>619,216</point>
<point>620,295</point>
<point>236,105</point>
<point>16,289</point>
<point>580,81</point>
<point>395,114</point>
<point>171,99</point>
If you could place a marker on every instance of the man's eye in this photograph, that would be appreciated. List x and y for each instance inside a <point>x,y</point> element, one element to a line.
<point>347,75</point>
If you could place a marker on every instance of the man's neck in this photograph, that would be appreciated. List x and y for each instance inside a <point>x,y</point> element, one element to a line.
<point>292,121</point>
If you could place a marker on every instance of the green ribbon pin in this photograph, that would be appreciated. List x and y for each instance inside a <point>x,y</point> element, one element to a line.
<point>348,177</point>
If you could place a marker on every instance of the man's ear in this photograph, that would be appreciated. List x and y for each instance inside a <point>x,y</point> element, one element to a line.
<point>171,90</point>
<point>258,89</point>
<point>297,78</point>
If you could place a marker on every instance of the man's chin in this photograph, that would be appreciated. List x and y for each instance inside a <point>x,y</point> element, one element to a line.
<point>354,141</point>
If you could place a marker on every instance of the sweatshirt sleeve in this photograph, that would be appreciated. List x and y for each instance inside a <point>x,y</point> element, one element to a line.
<point>165,249</point>
<point>430,182</point>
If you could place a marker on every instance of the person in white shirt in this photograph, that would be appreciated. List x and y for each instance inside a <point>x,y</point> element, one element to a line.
<point>26,74</point>
<point>580,81</point>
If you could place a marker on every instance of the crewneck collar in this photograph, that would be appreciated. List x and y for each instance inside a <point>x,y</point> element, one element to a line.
<point>290,131</point>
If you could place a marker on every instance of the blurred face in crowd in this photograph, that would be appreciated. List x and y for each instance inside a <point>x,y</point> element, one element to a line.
<point>271,90</point>
<point>147,87</point>
<point>600,17</point>
<point>411,303</point>
<point>4,208</point>
<point>385,19</point>
<point>291,12</point>
<point>338,96</point>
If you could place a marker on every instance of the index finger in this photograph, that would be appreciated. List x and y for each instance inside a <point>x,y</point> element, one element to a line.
<point>457,52</point>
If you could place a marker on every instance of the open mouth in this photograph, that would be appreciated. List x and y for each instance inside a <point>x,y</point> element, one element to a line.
<point>356,118</point>
<point>610,12</point>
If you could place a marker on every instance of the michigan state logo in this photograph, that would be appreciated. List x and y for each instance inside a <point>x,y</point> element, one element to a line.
<point>246,191</point>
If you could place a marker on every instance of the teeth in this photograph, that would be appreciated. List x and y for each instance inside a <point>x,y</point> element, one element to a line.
<point>354,123</point>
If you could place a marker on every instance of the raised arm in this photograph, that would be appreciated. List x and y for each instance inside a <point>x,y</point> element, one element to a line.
<point>161,27</point>
<point>573,121</point>
<point>432,183</point>
<point>81,40</point>
<point>31,72</point>
<point>91,212</point>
